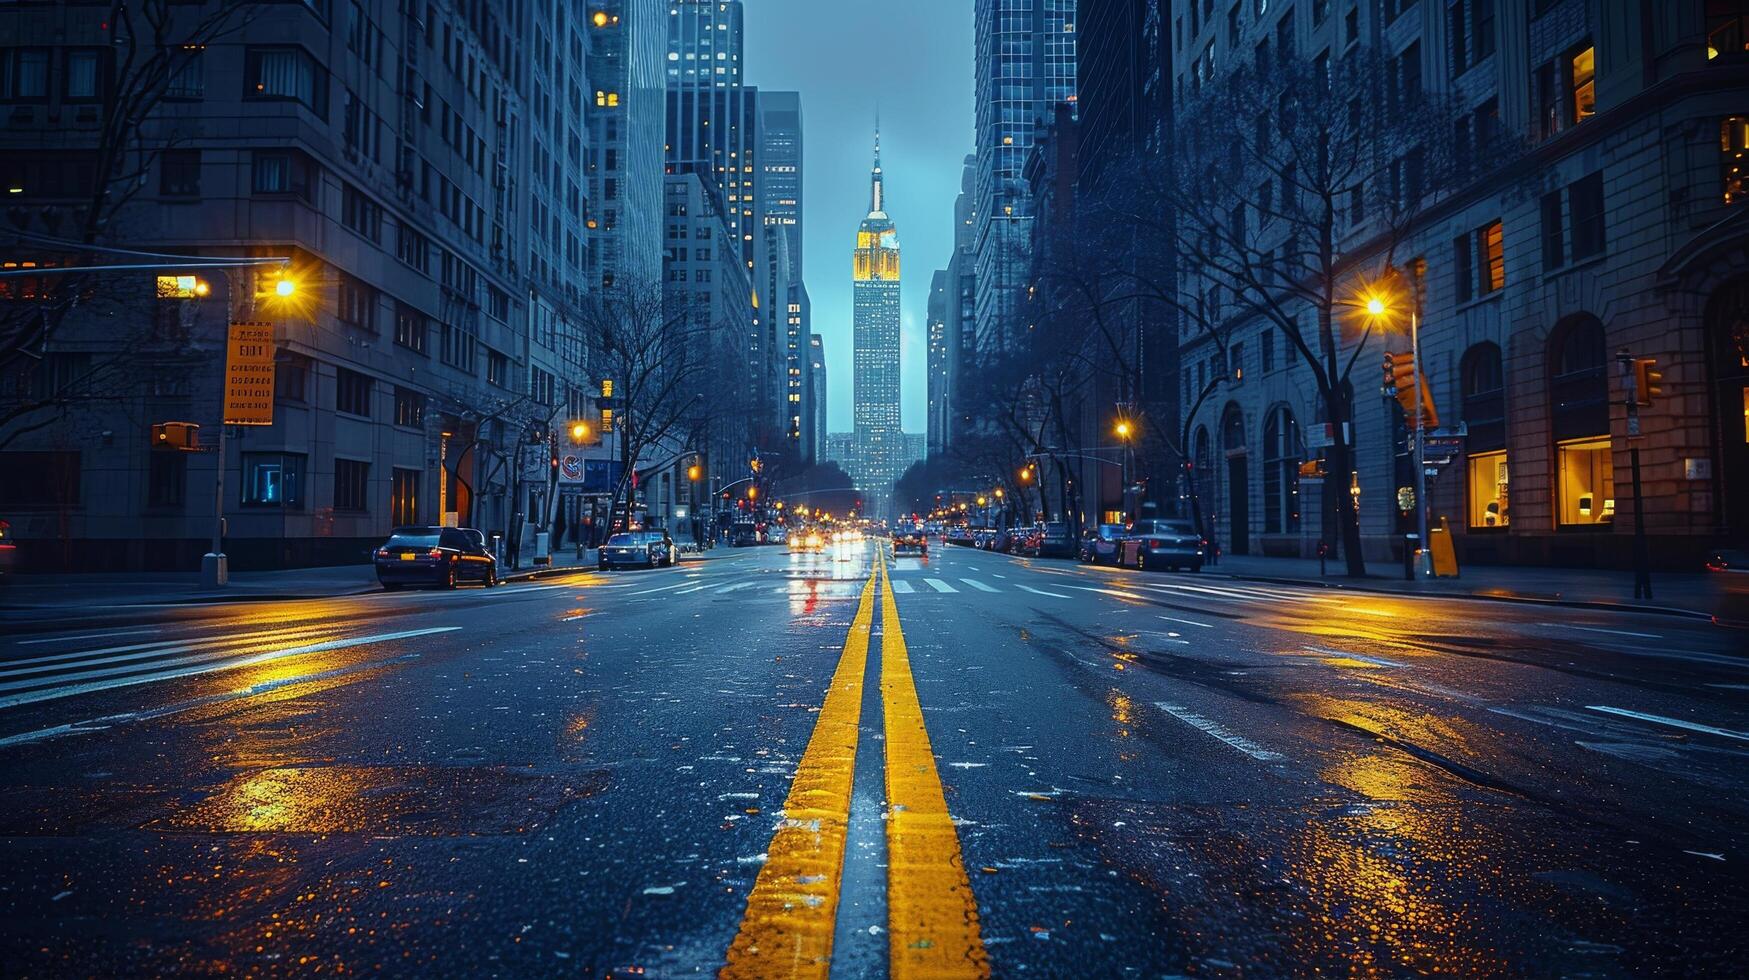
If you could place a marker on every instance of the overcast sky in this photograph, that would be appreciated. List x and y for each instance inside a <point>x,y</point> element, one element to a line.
<point>913,58</point>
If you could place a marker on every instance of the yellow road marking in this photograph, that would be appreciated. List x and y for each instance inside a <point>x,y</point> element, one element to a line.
<point>932,917</point>
<point>793,908</point>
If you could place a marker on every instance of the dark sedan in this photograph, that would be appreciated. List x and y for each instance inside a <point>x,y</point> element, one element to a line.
<point>1166,544</point>
<point>1101,543</point>
<point>649,549</point>
<point>441,557</point>
<point>913,542</point>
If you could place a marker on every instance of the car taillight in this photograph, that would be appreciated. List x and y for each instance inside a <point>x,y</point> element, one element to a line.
<point>382,552</point>
<point>434,553</point>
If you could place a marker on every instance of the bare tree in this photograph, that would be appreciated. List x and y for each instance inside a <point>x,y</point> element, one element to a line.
<point>657,350</point>
<point>1291,183</point>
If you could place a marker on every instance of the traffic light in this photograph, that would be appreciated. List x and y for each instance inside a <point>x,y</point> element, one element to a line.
<point>182,436</point>
<point>1400,383</point>
<point>1648,381</point>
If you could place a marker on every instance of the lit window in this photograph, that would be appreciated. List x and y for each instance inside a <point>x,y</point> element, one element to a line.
<point>1583,66</point>
<point>1587,482</point>
<point>1734,157</point>
<point>1490,505</point>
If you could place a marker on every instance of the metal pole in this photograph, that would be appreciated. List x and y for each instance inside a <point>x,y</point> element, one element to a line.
<point>1425,564</point>
<point>1642,559</point>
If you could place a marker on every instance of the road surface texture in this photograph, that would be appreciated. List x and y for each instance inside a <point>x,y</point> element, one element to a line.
<point>848,764</point>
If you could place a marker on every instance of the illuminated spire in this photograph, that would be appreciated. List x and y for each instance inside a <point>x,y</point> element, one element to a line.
<point>876,203</point>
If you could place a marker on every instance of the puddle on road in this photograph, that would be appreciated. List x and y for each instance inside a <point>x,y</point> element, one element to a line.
<point>433,801</point>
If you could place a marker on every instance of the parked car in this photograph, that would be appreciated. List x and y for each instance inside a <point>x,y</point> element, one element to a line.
<point>1165,544</point>
<point>435,556</point>
<point>1052,540</point>
<point>1099,546</point>
<point>651,549</point>
<point>957,534</point>
<point>777,535</point>
<point>744,534</point>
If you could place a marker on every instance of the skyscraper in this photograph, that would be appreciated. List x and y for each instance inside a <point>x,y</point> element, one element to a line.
<point>816,415</point>
<point>878,446</point>
<point>937,381</point>
<point>781,165</point>
<point>1025,64</point>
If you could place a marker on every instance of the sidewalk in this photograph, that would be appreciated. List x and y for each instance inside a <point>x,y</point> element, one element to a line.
<point>174,588</point>
<point>1724,596</point>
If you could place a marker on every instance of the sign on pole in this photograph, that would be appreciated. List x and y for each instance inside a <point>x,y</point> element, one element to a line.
<point>249,375</point>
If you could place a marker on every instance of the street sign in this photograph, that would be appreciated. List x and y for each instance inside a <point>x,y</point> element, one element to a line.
<point>249,375</point>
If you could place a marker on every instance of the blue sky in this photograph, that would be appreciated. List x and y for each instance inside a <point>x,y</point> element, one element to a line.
<point>914,59</point>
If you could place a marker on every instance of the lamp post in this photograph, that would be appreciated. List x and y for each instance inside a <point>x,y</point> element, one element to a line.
<point>1377,307</point>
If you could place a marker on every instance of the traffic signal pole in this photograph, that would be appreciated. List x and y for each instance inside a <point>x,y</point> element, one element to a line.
<point>1424,565</point>
<point>1630,372</point>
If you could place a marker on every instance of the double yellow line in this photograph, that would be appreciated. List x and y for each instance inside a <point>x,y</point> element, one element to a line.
<point>932,917</point>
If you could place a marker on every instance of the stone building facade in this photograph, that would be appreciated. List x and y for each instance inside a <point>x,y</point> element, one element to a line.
<point>434,228</point>
<point>1619,232</point>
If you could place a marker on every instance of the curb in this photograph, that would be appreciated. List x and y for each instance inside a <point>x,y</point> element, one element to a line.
<point>1477,597</point>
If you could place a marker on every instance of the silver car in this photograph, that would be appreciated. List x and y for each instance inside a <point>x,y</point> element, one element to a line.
<point>1163,544</point>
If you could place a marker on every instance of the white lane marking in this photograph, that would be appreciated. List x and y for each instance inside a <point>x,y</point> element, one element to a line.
<point>902,586</point>
<point>1599,629</point>
<point>1208,727</point>
<point>86,636</point>
<point>1375,661</point>
<point>1672,722</point>
<point>939,586</point>
<point>1115,592</point>
<point>136,651</point>
<point>203,652</point>
<point>127,717</point>
<point>662,588</point>
<point>49,694</point>
<point>981,587</point>
<point>1240,595</point>
<point>1187,622</point>
<point>1054,595</point>
<point>737,585</point>
<point>696,588</point>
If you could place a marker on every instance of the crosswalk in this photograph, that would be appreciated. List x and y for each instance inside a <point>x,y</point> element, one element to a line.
<point>49,676</point>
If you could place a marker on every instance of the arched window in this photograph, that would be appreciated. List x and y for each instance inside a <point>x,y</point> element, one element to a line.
<point>1483,383</point>
<point>1734,158</point>
<point>1579,418</point>
<point>1282,454</point>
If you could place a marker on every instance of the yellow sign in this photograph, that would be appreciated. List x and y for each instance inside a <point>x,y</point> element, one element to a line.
<point>1444,558</point>
<point>249,375</point>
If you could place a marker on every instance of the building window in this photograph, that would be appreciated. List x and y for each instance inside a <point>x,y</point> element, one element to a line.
<point>1581,84</point>
<point>1482,28</point>
<point>24,74</point>
<point>84,80</point>
<point>285,73</point>
<point>352,392</point>
<point>411,328</point>
<point>1266,346</point>
<point>39,480</point>
<point>166,478</point>
<point>291,378</point>
<point>351,485</point>
<point>1480,266</point>
<point>187,74</point>
<point>1579,391</point>
<point>1734,158</point>
<point>179,173</point>
<point>356,303</point>
<point>1554,254</point>
<point>360,213</point>
<point>1490,503</point>
<point>459,348</point>
<point>273,480</point>
<point>1585,202</point>
<point>282,172</point>
<point>497,368</point>
<point>409,408</point>
<point>1482,383</point>
<point>404,496</point>
<point>1282,454</point>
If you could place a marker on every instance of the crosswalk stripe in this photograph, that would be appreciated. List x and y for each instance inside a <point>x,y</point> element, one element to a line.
<point>900,585</point>
<point>1054,595</point>
<point>940,586</point>
<point>226,663</point>
<point>981,587</point>
<point>159,648</point>
<point>732,588</point>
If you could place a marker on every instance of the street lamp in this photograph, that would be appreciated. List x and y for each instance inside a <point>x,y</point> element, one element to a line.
<point>1378,306</point>
<point>579,431</point>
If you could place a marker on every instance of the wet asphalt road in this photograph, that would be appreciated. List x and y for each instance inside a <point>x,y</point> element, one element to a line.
<point>1149,775</point>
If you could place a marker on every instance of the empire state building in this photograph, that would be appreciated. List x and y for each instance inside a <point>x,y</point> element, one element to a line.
<point>878,446</point>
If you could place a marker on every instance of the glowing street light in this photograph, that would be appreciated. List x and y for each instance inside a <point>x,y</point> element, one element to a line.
<point>579,431</point>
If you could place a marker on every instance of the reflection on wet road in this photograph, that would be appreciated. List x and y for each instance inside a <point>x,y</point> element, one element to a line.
<point>617,774</point>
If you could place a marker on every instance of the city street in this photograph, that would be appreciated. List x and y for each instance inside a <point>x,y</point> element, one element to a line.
<point>1117,773</point>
